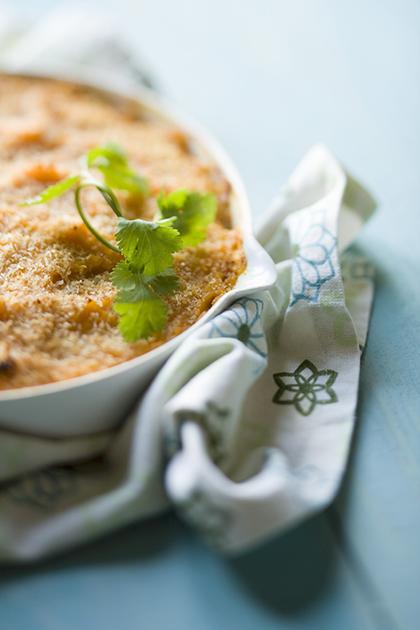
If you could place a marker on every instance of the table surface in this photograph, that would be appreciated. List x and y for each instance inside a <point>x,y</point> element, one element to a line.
<point>269,78</point>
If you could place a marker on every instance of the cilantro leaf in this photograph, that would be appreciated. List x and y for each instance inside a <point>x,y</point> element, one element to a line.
<point>111,160</point>
<point>194,212</point>
<point>124,178</point>
<point>54,191</point>
<point>165,282</point>
<point>142,311</point>
<point>139,320</point>
<point>139,304</point>
<point>132,284</point>
<point>148,245</point>
<point>106,155</point>
<point>123,277</point>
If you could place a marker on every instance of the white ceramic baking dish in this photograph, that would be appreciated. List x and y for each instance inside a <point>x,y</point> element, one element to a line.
<point>100,400</point>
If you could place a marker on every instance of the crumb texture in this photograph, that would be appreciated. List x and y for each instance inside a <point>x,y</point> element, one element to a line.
<point>56,295</point>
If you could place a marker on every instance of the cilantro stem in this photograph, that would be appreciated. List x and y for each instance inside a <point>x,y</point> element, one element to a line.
<point>106,192</point>
<point>112,201</point>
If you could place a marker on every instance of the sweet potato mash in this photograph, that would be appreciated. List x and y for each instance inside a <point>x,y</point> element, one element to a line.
<point>56,295</point>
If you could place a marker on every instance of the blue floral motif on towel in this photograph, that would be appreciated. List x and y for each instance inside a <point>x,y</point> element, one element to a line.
<point>242,321</point>
<point>313,263</point>
<point>212,521</point>
<point>44,489</point>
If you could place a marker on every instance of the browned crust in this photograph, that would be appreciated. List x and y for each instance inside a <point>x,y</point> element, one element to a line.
<point>56,317</point>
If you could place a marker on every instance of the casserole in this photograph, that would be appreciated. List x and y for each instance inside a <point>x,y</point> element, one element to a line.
<point>99,400</point>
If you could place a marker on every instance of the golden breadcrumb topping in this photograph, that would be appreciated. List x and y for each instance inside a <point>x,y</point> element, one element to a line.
<point>56,295</point>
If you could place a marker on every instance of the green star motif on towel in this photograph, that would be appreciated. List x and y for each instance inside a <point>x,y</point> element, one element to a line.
<point>305,388</point>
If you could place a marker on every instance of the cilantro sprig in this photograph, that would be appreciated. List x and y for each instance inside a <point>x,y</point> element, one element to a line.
<point>112,162</point>
<point>145,274</point>
<point>193,212</point>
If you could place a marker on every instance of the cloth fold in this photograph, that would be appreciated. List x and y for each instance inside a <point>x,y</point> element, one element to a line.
<point>246,429</point>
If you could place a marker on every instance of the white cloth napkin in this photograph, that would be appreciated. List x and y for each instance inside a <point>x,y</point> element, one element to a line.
<point>246,429</point>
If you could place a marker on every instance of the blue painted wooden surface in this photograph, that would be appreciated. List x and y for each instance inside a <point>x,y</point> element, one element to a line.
<point>269,78</point>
